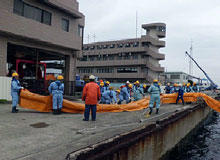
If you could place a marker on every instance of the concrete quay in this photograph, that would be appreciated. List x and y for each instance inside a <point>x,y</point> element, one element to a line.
<point>30,135</point>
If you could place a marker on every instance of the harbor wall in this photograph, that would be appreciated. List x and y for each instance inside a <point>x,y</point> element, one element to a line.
<point>152,141</point>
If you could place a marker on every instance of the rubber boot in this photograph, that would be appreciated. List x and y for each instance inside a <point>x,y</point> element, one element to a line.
<point>119,102</point>
<point>13,110</point>
<point>59,110</point>
<point>55,112</point>
<point>157,110</point>
<point>151,110</point>
<point>16,109</point>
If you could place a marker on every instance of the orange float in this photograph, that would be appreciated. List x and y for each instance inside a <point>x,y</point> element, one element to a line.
<point>44,103</point>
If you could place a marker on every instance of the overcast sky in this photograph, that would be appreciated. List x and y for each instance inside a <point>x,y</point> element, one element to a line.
<point>186,20</point>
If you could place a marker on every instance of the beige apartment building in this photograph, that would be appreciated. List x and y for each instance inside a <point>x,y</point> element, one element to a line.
<point>40,30</point>
<point>129,59</point>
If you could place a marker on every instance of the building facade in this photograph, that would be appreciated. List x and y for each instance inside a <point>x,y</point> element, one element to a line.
<point>130,59</point>
<point>178,77</point>
<point>40,30</point>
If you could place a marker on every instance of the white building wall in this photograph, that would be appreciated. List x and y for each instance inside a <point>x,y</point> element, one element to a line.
<point>5,88</point>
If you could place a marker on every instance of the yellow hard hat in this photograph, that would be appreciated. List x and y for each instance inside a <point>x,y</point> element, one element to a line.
<point>15,74</point>
<point>194,83</point>
<point>60,77</point>
<point>145,86</point>
<point>137,82</point>
<point>111,88</point>
<point>159,84</point>
<point>107,82</point>
<point>130,85</point>
<point>184,84</point>
<point>155,81</point>
<point>102,84</point>
<point>188,84</point>
<point>118,90</point>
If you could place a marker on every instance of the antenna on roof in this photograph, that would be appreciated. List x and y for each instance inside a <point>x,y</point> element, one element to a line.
<point>94,37</point>
<point>88,38</point>
<point>136,22</point>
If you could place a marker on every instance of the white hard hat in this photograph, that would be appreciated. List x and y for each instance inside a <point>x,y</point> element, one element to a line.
<point>127,82</point>
<point>91,77</point>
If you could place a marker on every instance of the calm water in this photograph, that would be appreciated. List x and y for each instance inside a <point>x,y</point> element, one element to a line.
<point>204,145</point>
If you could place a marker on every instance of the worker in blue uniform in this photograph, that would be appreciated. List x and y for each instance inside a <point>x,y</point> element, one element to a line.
<point>15,91</point>
<point>154,91</point>
<point>109,96</point>
<point>102,90</point>
<point>188,88</point>
<point>168,89</point>
<point>125,93</point>
<point>138,91</point>
<point>180,92</point>
<point>107,83</point>
<point>195,87</point>
<point>56,89</point>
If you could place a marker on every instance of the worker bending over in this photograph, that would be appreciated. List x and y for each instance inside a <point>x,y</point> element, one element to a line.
<point>125,93</point>
<point>154,91</point>
<point>56,89</point>
<point>15,91</point>
<point>109,96</point>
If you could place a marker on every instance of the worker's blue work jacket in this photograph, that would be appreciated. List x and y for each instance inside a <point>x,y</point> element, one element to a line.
<point>188,89</point>
<point>15,89</point>
<point>102,89</point>
<point>154,90</point>
<point>195,88</point>
<point>109,96</point>
<point>168,89</point>
<point>137,92</point>
<point>56,88</point>
<point>124,94</point>
<point>180,92</point>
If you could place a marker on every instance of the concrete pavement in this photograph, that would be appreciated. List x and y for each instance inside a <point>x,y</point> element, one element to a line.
<point>30,135</point>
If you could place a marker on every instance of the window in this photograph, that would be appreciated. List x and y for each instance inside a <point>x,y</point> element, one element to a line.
<point>65,25</point>
<point>136,44</point>
<point>175,76</point>
<point>127,70</point>
<point>112,46</point>
<point>46,18</point>
<point>161,28</point>
<point>18,7</point>
<point>128,45</point>
<point>111,57</point>
<point>105,47</point>
<point>31,12</point>
<point>92,47</point>
<point>135,56</point>
<point>80,30</point>
<point>120,45</point>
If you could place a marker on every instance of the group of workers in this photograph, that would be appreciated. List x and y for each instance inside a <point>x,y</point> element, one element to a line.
<point>181,89</point>
<point>102,92</point>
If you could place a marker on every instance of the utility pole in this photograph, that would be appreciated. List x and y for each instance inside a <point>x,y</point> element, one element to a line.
<point>88,38</point>
<point>136,22</point>
<point>190,62</point>
<point>94,37</point>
